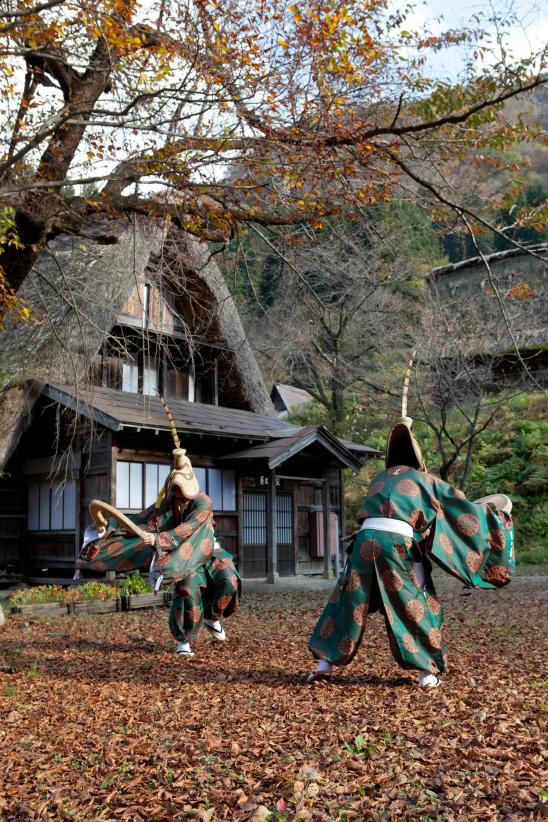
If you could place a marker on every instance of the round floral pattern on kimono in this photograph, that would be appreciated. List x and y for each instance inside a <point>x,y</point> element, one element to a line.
<point>346,645</point>
<point>458,493</point>
<point>183,530</point>
<point>446,544</point>
<point>417,520</point>
<point>370,549</point>
<point>414,610</point>
<point>436,505</point>
<point>114,549</point>
<point>434,638</point>
<point>186,550</point>
<point>92,552</point>
<point>409,644</point>
<point>335,595</point>
<point>184,591</point>
<point>397,469</point>
<point>221,563</point>
<point>389,615</point>
<point>432,667</point>
<point>408,488</point>
<point>206,546</point>
<point>414,579</point>
<point>327,628</point>
<point>223,602</point>
<point>125,565</point>
<point>468,524</point>
<point>496,539</point>
<point>165,540</point>
<point>201,516</point>
<point>358,613</point>
<point>98,566</point>
<point>392,581</point>
<point>354,582</point>
<point>233,582</point>
<point>473,561</point>
<point>498,575</point>
<point>434,605</point>
<point>163,560</point>
<point>194,613</point>
<point>376,488</point>
<point>388,509</point>
<point>401,550</point>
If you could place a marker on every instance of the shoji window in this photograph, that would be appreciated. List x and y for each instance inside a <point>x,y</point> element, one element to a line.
<point>130,376</point>
<point>51,506</point>
<point>220,485</point>
<point>138,483</point>
<point>284,519</point>
<point>254,519</point>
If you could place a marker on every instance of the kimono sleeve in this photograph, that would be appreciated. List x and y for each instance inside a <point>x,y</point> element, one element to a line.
<point>185,547</point>
<point>470,541</point>
<point>116,550</point>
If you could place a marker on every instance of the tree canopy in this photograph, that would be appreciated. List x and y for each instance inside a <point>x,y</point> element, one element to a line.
<point>150,105</point>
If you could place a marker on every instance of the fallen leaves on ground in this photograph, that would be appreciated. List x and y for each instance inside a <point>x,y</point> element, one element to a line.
<point>101,721</point>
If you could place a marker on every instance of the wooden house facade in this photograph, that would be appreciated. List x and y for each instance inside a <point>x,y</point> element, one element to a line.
<point>82,418</point>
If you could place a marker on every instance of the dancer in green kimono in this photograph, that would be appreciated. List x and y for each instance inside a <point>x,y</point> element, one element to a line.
<point>206,597</point>
<point>174,541</point>
<point>411,518</point>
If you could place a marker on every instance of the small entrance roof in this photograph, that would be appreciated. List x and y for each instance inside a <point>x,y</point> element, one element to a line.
<point>278,451</point>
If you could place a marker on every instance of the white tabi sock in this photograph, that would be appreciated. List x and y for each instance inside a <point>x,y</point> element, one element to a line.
<point>324,667</point>
<point>215,624</point>
<point>184,649</point>
<point>427,680</point>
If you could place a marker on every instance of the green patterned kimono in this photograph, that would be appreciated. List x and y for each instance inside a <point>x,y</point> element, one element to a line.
<point>390,573</point>
<point>212,592</point>
<point>183,542</point>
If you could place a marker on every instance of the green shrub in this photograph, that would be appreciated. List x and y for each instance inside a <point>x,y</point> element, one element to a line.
<point>39,595</point>
<point>94,590</point>
<point>136,584</point>
<point>42,594</point>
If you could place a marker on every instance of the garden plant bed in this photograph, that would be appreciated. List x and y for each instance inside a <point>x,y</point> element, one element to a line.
<point>42,609</point>
<point>96,606</point>
<point>133,602</point>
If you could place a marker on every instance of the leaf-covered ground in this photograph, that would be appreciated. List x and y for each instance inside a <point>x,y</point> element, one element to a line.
<point>100,720</point>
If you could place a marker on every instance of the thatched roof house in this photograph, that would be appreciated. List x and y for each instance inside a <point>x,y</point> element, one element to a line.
<point>519,276</point>
<point>114,327</point>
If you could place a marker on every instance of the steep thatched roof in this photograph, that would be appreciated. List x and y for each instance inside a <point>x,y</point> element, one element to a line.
<point>518,278</point>
<point>76,292</point>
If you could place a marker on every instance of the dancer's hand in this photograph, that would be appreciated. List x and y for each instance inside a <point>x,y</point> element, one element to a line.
<point>148,539</point>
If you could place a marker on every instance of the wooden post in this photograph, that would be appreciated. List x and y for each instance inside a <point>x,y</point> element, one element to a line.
<point>271,531</point>
<point>341,547</point>
<point>327,572</point>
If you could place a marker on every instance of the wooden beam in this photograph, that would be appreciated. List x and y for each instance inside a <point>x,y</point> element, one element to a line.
<point>327,572</point>
<point>342,526</point>
<point>272,575</point>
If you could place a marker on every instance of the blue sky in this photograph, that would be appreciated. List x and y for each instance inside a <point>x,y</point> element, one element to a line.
<point>527,33</point>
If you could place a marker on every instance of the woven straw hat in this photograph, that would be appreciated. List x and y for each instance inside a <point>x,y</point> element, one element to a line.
<point>183,476</point>
<point>402,448</point>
